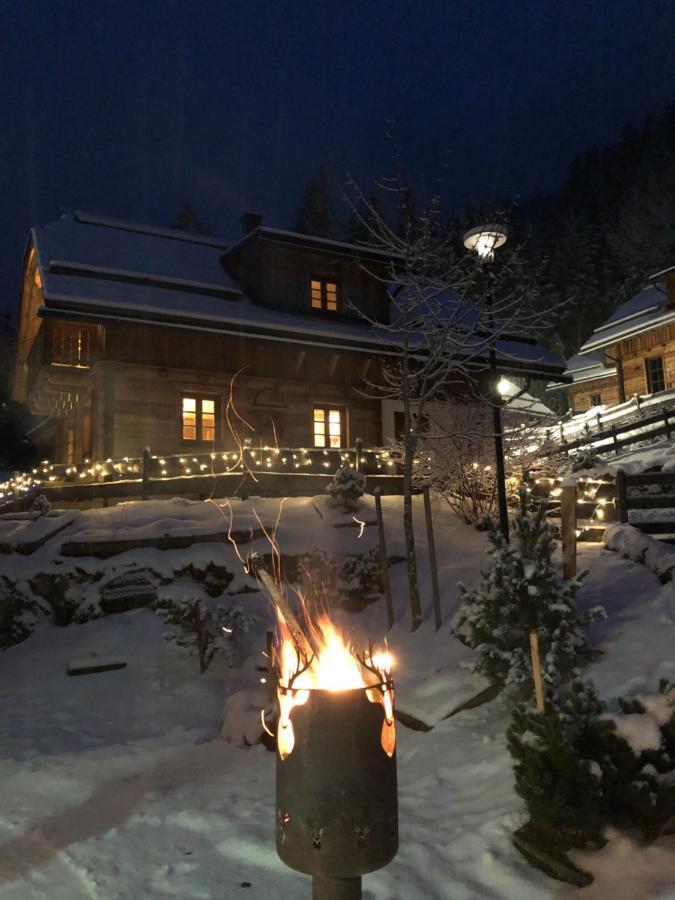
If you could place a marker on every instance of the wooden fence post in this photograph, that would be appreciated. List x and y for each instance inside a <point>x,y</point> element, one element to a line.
<point>384,562</point>
<point>621,496</point>
<point>615,440</point>
<point>568,529</point>
<point>145,474</point>
<point>435,592</point>
<point>666,422</point>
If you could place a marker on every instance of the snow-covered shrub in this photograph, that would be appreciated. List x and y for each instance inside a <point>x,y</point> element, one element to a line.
<point>522,591</point>
<point>20,611</point>
<point>584,459</point>
<point>579,769</point>
<point>207,628</point>
<point>40,507</point>
<point>347,488</point>
<point>351,582</point>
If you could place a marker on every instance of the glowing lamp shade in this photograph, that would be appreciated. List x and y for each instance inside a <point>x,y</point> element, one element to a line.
<point>504,387</point>
<point>485,239</point>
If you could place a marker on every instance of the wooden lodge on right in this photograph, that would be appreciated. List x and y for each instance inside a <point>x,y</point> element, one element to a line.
<point>632,352</point>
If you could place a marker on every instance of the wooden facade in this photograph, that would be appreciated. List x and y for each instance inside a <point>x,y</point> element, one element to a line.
<point>133,337</point>
<point>119,387</point>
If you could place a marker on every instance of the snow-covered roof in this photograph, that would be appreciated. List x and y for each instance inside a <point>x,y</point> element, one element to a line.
<point>519,401</point>
<point>118,251</point>
<point>585,367</point>
<point>99,269</point>
<point>646,310</point>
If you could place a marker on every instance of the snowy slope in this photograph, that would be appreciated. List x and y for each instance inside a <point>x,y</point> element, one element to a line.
<point>117,786</point>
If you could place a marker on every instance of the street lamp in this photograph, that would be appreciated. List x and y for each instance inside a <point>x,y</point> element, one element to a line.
<point>484,240</point>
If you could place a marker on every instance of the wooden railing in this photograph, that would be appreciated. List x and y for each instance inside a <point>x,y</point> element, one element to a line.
<point>263,471</point>
<point>617,437</point>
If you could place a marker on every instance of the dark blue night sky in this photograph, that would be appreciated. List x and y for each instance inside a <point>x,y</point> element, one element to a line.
<point>132,109</point>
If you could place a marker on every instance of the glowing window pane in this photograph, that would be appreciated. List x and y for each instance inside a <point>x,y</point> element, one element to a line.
<point>208,433</point>
<point>316,303</point>
<point>208,406</point>
<point>189,404</point>
<point>334,417</point>
<point>316,286</point>
<point>319,415</point>
<point>335,440</point>
<point>189,432</point>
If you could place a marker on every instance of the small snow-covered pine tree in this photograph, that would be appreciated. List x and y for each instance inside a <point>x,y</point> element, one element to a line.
<point>522,591</point>
<point>347,488</point>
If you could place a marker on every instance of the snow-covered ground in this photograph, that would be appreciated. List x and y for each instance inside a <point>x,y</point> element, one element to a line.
<point>119,786</point>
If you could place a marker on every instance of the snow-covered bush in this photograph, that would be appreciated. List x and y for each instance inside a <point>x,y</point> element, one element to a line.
<point>207,628</point>
<point>40,507</point>
<point>351,581</point>
<point>579,769</point>
<point>347,488</point>
<point>522,591</point>
<point>584,459</point>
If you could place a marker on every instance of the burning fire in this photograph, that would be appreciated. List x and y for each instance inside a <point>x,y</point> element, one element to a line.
<point>332,666</point>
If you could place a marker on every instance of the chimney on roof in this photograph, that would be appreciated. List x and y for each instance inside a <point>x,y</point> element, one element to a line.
<point>249,222</point>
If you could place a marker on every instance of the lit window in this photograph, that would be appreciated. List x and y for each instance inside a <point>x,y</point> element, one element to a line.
<point>327,427</point>
<point>72,345</point>
<point>323,294</point>
<point>199,419</point>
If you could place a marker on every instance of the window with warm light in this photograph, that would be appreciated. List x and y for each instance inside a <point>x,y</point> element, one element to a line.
<point>199,419</point>
<point>328,427</point>
<point>73,345</point>
<point>323,294</point>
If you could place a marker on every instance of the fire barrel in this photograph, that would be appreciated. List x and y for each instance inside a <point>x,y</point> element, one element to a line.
<point>337,808</point>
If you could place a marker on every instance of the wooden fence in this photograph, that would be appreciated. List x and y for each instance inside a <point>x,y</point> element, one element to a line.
<point>617,437</point>
<point>255,471</point>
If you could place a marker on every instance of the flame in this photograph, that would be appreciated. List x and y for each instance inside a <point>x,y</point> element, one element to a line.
<point>334,666</point>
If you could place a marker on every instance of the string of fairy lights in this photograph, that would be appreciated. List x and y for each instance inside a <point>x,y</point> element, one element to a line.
<point>253,460</point>
<point>588,490</point>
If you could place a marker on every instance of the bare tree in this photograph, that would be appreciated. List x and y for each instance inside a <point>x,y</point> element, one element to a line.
<point>446,313</point>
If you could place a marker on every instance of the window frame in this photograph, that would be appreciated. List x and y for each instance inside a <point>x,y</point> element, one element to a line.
<point>594,397</point>
<point>649,376</point>
<point>323,286</point>
<point>62,335</point>
<point>198,440</point>
<point>327,409</point>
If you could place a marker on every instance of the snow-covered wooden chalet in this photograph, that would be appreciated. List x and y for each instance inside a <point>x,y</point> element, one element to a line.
<point>633,352</point>
<point>129,336</point>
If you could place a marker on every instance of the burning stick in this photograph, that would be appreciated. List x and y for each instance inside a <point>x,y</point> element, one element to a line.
<point>282,606</point>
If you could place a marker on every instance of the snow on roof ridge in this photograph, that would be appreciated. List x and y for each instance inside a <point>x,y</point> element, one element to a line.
<point>661,273</point>
<point>85,268</point>
<point>622,335</point>
<point>634,315</point>
<point>175,234</point>
<point>366,248</point>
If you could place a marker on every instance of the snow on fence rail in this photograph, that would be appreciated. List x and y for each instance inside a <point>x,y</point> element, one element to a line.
<point>266,471</point>
<point>618,437</point>
<point>598,416</point>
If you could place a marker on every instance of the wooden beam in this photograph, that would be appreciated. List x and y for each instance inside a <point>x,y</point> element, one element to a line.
<point>333,364</point>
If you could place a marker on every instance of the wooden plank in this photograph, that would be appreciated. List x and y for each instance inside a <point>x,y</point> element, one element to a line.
<point>663,527</point>
<point>92,665</point>
<point>621,496</point>
<point>651,478</point>
<point>652,501</point>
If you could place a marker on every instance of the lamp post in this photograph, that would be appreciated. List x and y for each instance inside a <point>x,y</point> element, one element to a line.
<point>484,240</point>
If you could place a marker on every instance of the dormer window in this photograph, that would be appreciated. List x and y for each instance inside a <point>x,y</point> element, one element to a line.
<point>323,294</point>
